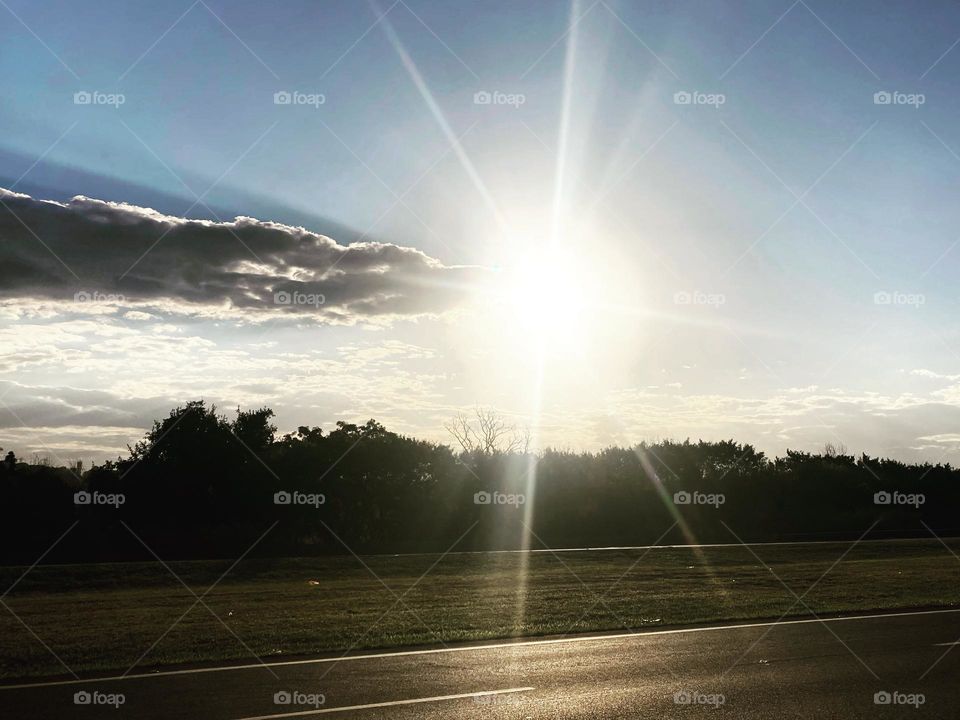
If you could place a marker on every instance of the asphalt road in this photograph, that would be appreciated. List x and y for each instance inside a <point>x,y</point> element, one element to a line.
<point>800,669</point>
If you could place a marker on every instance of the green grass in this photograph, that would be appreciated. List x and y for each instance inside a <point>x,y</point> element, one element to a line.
<point>100,618</point>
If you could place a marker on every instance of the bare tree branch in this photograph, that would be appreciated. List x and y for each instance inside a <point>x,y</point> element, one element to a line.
<point>487,433</point>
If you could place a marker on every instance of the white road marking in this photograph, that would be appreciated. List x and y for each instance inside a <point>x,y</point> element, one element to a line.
<point>390,703</point>
<point>955,642</point>
<point>685,546</point>
<point>476,648</point>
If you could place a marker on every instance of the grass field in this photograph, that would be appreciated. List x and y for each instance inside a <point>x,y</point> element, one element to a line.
<point>111,617</point>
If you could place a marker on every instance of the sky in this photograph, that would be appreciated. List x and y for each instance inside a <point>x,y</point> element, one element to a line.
<point>609,221</point>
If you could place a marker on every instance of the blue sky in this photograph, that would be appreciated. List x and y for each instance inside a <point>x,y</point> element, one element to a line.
<point>776,266</point>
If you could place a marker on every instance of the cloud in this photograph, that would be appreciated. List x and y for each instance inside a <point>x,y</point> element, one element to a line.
<point>92,405</point>
<point>942,438</point>
<point>117,254</point>
<point>923,372</point>
<point>26,406</point>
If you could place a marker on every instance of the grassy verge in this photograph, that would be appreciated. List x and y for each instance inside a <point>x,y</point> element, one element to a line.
<point>108,617</point>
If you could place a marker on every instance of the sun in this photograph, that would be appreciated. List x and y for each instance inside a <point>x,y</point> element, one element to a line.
<point>547,291</point>
<point>547,294</point>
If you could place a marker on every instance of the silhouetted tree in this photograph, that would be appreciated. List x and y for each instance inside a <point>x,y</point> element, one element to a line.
<point>200,485</point>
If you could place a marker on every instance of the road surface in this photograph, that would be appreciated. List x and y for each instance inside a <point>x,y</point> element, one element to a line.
<point>798,669</point>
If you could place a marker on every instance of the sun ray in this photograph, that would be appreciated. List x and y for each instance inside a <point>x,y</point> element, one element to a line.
<point>563,149</point>
<point>541,345</point>
<point>418,80</point>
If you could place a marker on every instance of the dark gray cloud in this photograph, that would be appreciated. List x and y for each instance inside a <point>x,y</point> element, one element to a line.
<point>52,250</point>
<point>63,406</point>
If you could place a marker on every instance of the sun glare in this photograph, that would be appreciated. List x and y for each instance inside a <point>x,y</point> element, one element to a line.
<point>547,293</point>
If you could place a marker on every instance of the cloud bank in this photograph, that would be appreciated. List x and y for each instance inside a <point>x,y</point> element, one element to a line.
<point>91,250</point>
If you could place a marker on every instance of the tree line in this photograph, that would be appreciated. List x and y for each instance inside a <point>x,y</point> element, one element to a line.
<point>202,485</point>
